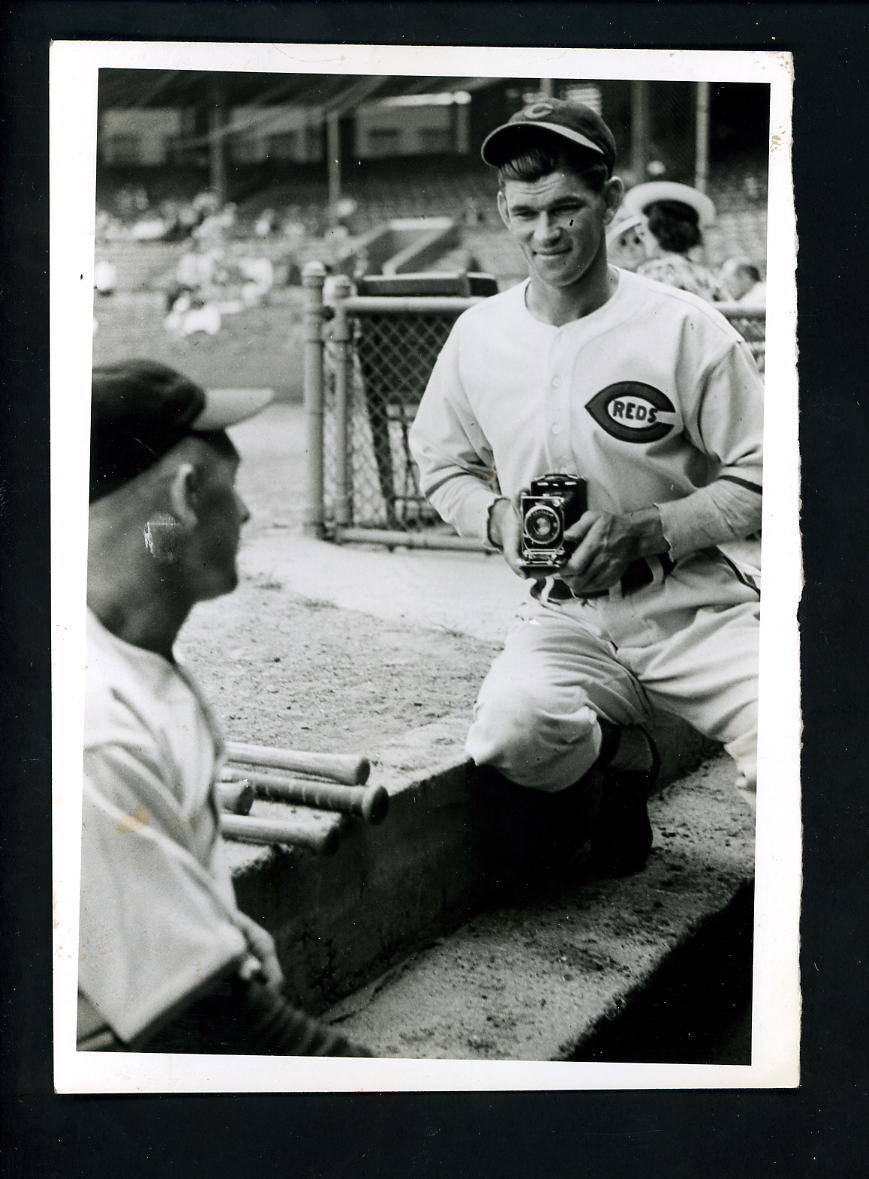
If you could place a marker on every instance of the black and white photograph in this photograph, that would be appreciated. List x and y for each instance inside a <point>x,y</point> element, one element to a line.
<point>425,471</point>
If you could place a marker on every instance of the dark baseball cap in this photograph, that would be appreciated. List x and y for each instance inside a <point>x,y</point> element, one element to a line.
<point>570,120</point>
<point>141,409</point>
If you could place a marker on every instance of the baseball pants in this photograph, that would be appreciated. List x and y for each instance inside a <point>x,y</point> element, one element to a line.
<point>686,644</point>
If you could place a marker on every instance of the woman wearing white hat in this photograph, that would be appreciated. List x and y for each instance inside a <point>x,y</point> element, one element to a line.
<point>674,215</point>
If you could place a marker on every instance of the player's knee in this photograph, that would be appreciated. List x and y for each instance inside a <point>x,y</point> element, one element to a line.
<point>506,724</point>
<point>529,743</point>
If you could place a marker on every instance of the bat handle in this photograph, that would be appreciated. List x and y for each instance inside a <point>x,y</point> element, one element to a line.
<point>369,803</point>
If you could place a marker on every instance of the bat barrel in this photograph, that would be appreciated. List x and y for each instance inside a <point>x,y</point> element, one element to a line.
<point>351,769</point>
<point>252,829</point>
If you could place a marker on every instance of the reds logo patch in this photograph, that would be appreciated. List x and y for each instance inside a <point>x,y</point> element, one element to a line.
<point>633,411</point>
<point>538,110</point>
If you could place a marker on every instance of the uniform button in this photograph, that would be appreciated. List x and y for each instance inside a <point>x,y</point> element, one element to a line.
<point>556,429</point>
<point>556,381</point>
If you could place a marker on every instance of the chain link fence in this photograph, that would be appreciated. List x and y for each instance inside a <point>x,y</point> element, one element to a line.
<point>376,354</point>
<point>390,356</point>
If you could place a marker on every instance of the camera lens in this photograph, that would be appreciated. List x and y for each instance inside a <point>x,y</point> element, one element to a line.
<point>542,524</point>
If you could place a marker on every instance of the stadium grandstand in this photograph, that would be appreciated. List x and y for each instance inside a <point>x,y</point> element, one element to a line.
<point>306,165</point>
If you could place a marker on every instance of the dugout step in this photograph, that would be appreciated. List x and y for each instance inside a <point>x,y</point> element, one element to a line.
<point>558,965</point>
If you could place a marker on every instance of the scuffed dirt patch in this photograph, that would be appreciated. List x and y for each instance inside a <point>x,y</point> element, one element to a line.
<point>282,670</point>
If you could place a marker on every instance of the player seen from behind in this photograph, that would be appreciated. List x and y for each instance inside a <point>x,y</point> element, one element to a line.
<point>167,961</point>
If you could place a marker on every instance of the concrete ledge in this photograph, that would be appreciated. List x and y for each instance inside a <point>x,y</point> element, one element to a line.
<point>536,977</point>
<point>453,840</point>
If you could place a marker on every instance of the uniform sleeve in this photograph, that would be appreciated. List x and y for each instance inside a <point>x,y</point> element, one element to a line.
<point>725,423</point>
<point>156,930</point>
<point>454,458</point>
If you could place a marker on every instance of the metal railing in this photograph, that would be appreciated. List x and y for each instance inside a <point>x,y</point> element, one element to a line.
<point>367,363</point>
<point>751,325</point>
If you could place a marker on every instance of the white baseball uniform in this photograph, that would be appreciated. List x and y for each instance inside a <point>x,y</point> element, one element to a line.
<point>653,398</point>
<point>159,924</point>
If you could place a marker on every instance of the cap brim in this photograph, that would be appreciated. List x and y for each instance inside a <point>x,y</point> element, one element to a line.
<point>638,199</point>
<point>226,407</point>
<point>496,147</point>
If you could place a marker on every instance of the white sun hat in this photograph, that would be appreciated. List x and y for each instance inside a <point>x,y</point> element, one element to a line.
<point>638,199</point>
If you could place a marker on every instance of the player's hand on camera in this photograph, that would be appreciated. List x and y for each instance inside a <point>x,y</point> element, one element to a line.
<point>505,532</point>
<point>606,543</point>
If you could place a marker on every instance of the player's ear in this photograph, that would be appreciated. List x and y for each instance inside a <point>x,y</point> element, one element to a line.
<point>613,192</point>
<point>183,495</point>
<point>502,209</point>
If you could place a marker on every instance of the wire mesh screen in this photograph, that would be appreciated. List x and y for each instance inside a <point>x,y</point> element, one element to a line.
<point>389,359</point>
<point>389,362</point>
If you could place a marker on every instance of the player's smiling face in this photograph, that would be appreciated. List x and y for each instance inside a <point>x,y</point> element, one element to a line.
<point>559,224</point>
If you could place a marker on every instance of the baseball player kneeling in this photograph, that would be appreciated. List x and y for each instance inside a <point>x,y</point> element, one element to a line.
<point>622,419</point>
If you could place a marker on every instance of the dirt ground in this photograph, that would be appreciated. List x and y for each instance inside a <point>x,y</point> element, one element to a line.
<point>284,669</point>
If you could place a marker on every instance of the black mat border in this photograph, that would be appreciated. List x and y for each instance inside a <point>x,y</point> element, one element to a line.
<point>818,1129</point>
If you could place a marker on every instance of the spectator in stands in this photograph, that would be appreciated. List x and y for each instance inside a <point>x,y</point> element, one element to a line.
<point>294,232</point>
<point>188,218</point>
<point>674,214</point>
<point>266,223</point>
<point>258,278</point>
<point>344,212</point>
<point>178,228</point>
<point>626,242</point>
<point>167,961</point>
<point>108,228</point>
<point>192,272</point>
<point>742,282</point>
<point>105,277</point>
<point>190,315</point>
<point>205,203</point>
<point>294,228</point>
<point>219,225</point>
<point>150,227</point>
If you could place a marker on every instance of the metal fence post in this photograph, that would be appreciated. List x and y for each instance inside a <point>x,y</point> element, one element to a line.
<point>313,277</point>
<point>342,357</point>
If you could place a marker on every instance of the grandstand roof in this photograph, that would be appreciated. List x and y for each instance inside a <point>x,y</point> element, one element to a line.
<point>328,92</point>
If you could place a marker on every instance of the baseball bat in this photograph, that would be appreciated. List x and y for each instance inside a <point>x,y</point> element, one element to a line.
<point>253,829</point>
<point>236,797</point>
<point>339,767</point>
<point>369,803</point>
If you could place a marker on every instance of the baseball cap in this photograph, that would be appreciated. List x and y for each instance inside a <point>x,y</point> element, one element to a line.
<point>141,409</point>
<point>573,121</point>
